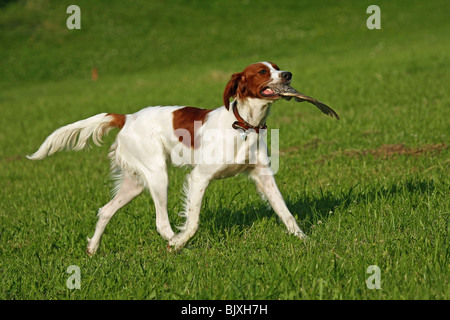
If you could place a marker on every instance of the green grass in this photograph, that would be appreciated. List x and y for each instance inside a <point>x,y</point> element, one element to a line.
<point>358,206</point>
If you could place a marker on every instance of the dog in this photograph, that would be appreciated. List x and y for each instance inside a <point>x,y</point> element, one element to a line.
<point>154,137</point>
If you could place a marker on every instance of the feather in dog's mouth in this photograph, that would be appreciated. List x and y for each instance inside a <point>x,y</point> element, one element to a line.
<point>286,92</point>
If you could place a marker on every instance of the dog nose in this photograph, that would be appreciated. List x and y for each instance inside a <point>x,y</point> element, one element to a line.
<point>286,75</point>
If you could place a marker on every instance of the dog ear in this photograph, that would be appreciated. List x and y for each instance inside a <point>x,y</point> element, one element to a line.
<point>231,89</point>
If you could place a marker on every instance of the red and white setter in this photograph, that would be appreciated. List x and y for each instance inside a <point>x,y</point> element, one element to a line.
<point>152,137</point>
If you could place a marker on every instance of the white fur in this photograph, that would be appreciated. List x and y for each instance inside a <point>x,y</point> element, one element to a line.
<point>74,136</point>
<point>145,145</point>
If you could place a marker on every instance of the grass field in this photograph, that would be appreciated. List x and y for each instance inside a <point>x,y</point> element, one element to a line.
<point>370,189</point>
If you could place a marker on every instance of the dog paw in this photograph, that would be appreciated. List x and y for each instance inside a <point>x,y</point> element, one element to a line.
<point>299,234</point>
<point>90,250</point>
<point>173,248</point>
<point>170,248</point>
<point>176,243</point>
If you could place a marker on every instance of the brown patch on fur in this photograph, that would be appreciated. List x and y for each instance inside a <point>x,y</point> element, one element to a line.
<point>247,83</point>
<point>118,120</point>
<point>185,118</point>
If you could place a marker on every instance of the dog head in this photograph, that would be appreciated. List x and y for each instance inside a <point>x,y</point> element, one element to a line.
<point>255,82</point>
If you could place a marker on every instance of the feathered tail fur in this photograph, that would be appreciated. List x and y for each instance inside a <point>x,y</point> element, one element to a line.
<point>76,136</point>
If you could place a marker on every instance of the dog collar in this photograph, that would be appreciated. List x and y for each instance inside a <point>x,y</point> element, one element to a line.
<point>242,124</point>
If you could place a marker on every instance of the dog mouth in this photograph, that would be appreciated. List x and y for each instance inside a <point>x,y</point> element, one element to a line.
<point>269,93</point>
<point>276,90</point>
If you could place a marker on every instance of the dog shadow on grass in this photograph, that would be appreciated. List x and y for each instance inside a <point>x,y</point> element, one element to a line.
<point>309,209</point>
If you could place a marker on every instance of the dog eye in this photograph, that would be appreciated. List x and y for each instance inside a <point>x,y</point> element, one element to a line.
<point>263,71</point>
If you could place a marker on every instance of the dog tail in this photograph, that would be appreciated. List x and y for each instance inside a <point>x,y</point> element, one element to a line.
<point>76,136</point>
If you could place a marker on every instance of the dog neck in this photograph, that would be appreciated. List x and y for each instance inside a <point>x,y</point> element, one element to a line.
<point>251,113</point>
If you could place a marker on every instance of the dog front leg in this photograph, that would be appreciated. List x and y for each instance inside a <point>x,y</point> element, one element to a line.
<point>265,183</point>
<point>195,187</point>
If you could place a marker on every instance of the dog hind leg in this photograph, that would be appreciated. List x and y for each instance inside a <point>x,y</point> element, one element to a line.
<point>158,182</point>
<point>195,189</point>
<point>128,190</point>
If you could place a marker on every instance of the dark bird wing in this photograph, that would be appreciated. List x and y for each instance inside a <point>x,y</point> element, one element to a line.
<point>288,93</point>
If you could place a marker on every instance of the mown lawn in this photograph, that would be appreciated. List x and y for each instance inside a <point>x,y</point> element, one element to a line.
<point>370,189</point>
